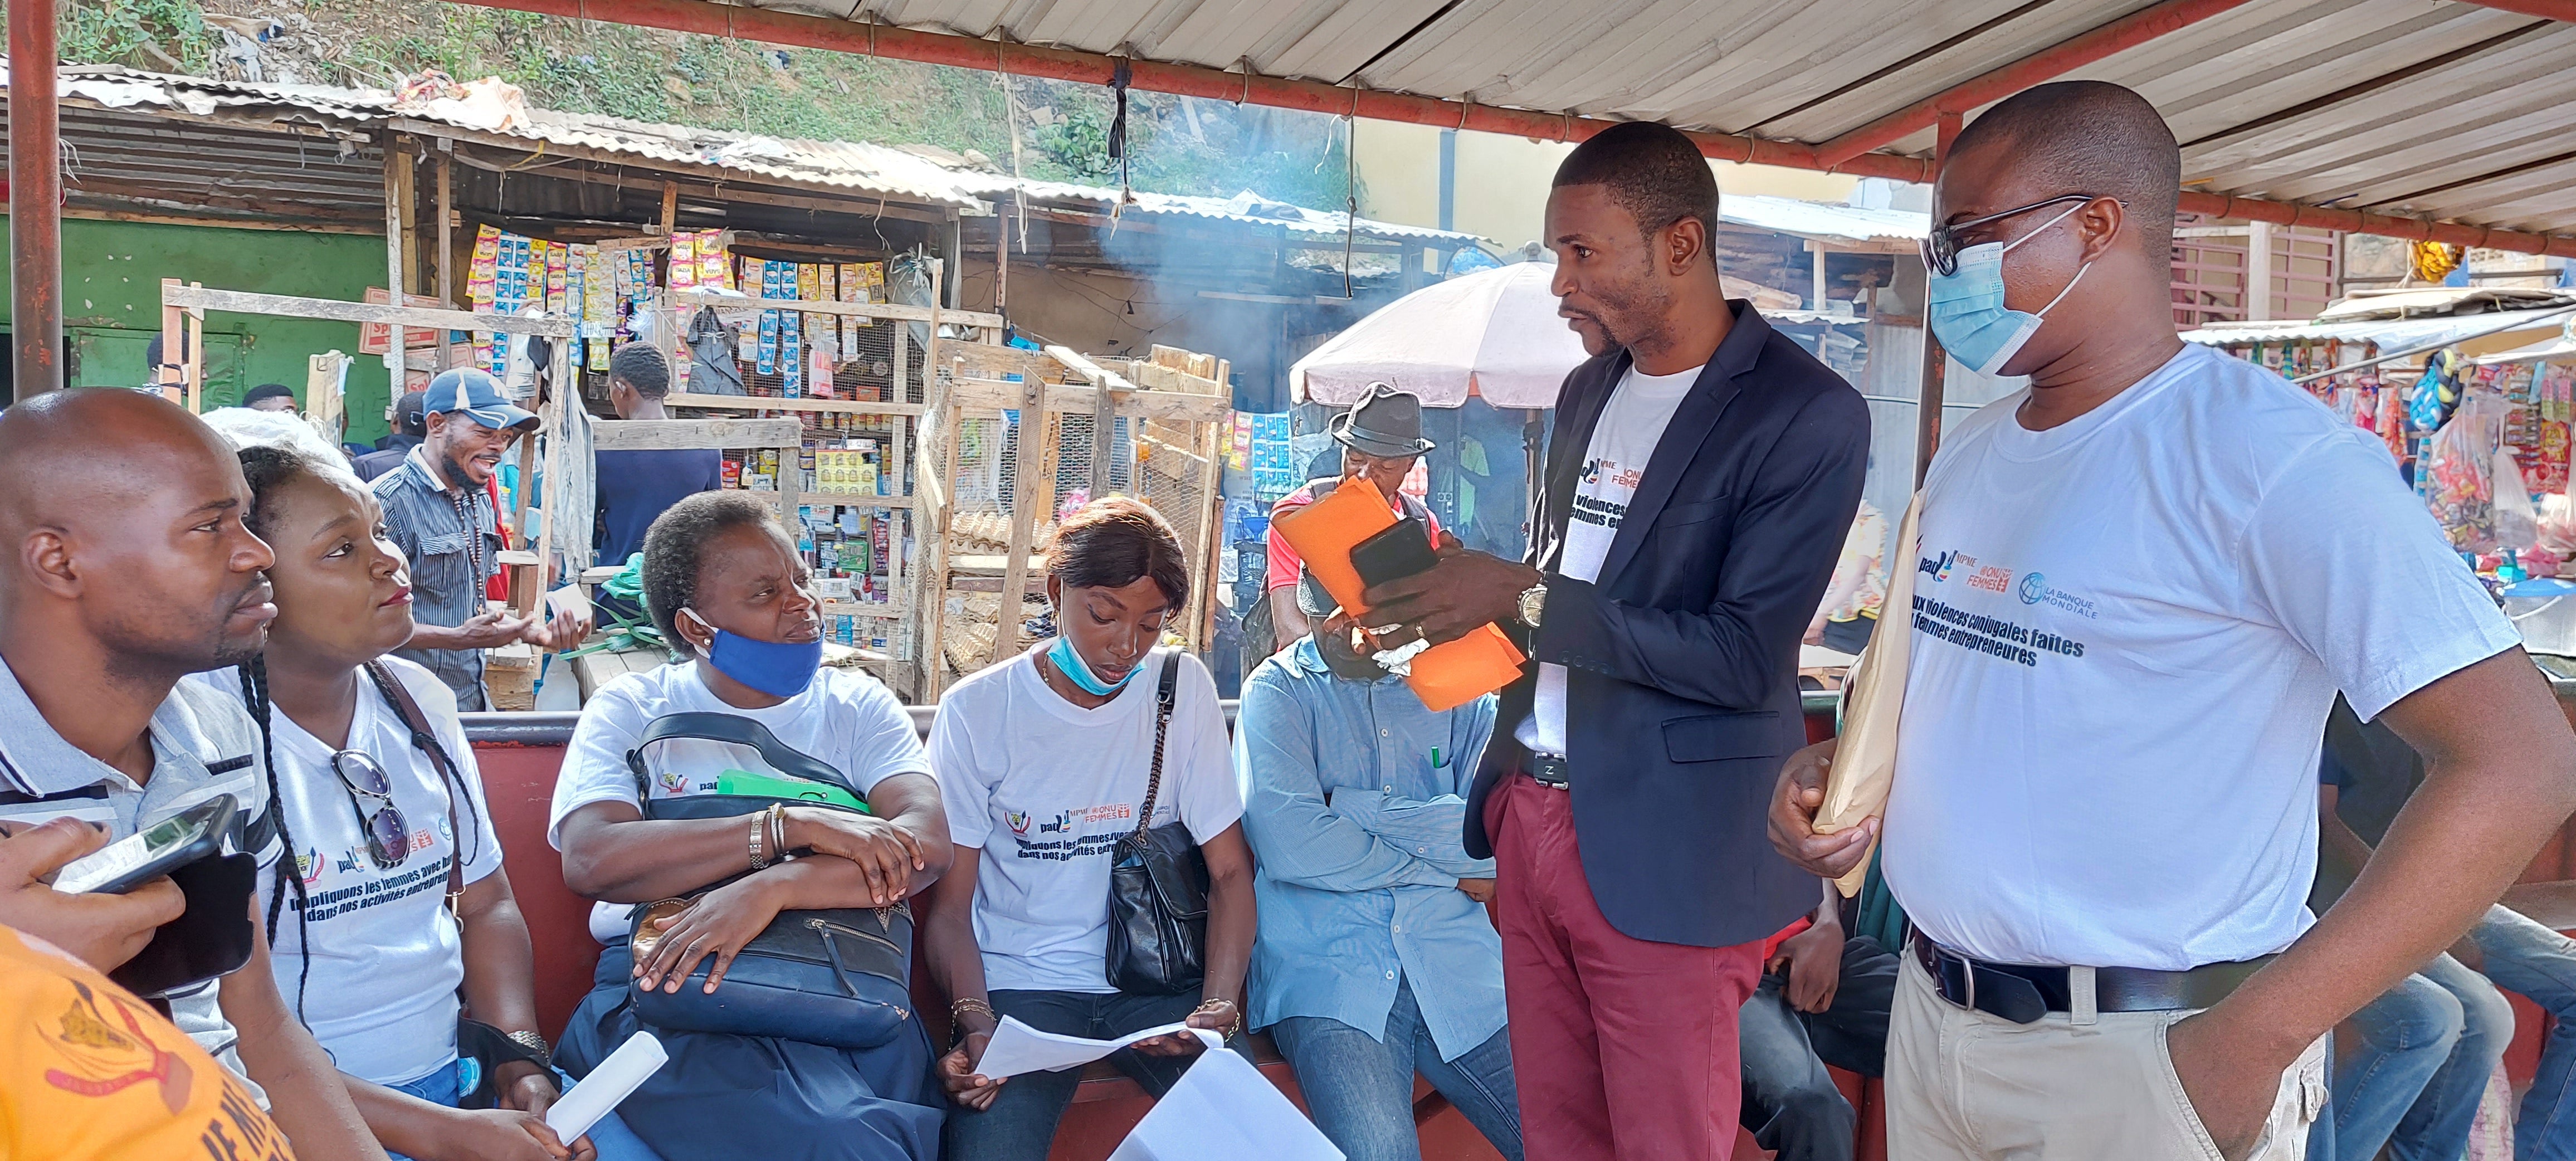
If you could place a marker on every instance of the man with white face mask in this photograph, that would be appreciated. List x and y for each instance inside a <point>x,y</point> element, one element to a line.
<point>2141,583</point>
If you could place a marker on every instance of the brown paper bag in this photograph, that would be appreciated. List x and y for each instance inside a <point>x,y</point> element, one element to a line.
<point>1865,760</point>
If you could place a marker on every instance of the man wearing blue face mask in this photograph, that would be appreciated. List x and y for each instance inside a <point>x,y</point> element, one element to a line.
<point>2142,583</point>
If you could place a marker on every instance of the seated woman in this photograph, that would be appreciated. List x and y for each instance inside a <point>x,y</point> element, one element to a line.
<point>375,814</point>
<point>1044,761</point>
<point>725,583</point>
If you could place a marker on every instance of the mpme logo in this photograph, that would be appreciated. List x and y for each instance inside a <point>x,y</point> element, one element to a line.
<point>2034,588</point>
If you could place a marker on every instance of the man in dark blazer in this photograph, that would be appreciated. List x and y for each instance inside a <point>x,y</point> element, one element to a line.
<point>1702,474</point>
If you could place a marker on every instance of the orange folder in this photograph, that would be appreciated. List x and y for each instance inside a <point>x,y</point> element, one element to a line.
<point>1444,676</point>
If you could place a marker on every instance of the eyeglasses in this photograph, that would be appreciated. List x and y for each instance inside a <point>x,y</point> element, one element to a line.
<point>388,834</point>
<point>1941,246</point>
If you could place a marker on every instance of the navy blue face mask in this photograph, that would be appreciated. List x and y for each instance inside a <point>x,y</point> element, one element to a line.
<point>776,668</point>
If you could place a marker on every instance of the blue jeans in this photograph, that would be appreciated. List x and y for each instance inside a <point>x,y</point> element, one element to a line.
<point>2405,1035</point>
<point>1359,1087</point>
<point>1020,1126</point>
<point>2540,964</point>
<point>2437,1128</point>
<point>446,1087</point>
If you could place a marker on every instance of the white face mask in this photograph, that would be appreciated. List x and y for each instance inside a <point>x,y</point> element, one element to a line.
<point>1967,310</point>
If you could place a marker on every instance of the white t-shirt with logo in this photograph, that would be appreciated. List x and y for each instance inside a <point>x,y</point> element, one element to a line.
<point>1631,424</point>
<point>2128,630</point>
<point>386,957</point>
<point>845,719</point>
<point>1046,788</point>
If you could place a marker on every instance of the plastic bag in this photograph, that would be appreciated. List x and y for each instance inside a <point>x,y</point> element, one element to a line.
<point>2458,476</point>
<point>2517,523</point>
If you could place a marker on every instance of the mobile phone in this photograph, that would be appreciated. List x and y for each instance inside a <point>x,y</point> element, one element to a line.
<point>1400,551</point>
<point>152,852</point>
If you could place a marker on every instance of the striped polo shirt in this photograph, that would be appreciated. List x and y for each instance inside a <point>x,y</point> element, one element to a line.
<point>203,744</point>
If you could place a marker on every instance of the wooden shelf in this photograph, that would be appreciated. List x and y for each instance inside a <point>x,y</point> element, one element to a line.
<point>775,403</point>
<point>851,500</point>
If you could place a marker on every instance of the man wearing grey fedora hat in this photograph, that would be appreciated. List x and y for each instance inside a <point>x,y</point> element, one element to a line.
<point>1381,438</point>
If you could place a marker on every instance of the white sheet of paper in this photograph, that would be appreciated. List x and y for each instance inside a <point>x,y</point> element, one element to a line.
<point>1018,1048</point>
<point>1224,1107</point>
<point>615,1078</point>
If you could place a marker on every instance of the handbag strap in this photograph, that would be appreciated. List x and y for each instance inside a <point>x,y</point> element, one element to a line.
<point>1164,694</point>
<point>427,743</point>
<point>740,731</point>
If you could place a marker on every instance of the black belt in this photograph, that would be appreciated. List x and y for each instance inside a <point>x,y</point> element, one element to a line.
<point>1548,770</point>
<point>2023,993</point>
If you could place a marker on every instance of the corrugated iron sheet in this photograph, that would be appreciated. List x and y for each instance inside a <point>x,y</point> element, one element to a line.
<point>914,175</point>
<point>2423,107</point>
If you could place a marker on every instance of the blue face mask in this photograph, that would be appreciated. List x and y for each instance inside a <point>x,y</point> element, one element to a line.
<point>1967,307</point>
<point>1069,662</point>
<point>779,669</point>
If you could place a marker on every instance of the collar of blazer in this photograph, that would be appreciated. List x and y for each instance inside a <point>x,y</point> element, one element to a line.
<point>1691,424</point>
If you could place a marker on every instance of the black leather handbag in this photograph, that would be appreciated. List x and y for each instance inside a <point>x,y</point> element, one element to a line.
<point>834,976</point>
<point>1158,887</point>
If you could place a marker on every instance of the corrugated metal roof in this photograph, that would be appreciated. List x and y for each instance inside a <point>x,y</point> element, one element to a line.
<point>2389,333</point>
<point>2434,108</point>
<point>914,174</point>
<point>1824,220</point>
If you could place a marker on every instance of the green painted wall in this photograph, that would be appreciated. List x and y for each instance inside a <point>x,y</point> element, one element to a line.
<point>112,274</point>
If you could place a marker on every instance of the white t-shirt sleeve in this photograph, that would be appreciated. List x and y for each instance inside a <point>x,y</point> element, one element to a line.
<point>594,765</point>
<point>481,850</point>
<point>965,787</point>
<point>2353,565</point>
<point>1198,762</point>
<point>880,741</point>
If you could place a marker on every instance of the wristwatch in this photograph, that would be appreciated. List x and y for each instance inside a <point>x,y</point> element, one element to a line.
<point>536,1044</point>
<point>1533,601</point>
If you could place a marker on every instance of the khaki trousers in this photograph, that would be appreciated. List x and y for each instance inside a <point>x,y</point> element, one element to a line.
<point>1962,1084</point>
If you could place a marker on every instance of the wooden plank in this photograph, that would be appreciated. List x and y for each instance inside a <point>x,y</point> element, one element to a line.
<point>937,457</point>
<point>446,258</point>
<point>776,403</point>
<point>1211,526</point>
<point>1024,513</point>
<point>993,361</point>
<point>415,317</point>
<point>683,434</point>
<point>397,181</point>
<point>987,394</point>
<point>871,310</point>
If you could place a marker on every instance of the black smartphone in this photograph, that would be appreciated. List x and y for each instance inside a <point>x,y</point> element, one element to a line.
<point>150,853</point>
<point>1396,553</point>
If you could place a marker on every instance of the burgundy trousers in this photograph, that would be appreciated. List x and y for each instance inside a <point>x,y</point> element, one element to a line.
<point>1624,1049</point>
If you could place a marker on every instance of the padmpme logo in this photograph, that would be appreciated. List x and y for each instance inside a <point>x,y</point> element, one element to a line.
<point>2034,588</point>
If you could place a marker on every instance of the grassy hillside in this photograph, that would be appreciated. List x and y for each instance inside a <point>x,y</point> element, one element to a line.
<point>1179,145</point>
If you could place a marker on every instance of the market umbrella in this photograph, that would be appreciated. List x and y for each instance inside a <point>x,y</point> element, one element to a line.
<point>1493,333</point>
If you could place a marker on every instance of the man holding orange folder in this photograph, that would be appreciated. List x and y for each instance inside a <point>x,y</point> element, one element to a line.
<point>1702,473</point>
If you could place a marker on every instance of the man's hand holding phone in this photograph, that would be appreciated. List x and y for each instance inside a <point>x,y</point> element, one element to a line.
<point>102,930</point>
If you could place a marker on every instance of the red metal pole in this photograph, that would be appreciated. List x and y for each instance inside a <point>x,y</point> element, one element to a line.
<point>35,200</point>
<point>2047,64</point>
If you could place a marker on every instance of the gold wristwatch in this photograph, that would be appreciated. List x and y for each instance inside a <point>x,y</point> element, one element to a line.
<point>1533,601</point>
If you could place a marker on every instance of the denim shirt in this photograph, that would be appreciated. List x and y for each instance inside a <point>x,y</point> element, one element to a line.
<point>447,590</point>
<point>1361,892</point>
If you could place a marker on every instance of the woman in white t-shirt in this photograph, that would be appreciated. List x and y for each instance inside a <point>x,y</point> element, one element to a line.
<point>372,958</point>
<point>731,594</point>
<point>1044,761</point>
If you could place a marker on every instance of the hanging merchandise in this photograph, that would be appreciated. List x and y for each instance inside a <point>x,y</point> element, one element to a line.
<point>2457,477</point>
<point>2517,523</point>
<point>684,261</point>
<point>715,261</point>
<point>2436,393</point>
<point>2434,261</point>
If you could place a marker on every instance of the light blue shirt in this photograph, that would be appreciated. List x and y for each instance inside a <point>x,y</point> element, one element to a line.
<point>1361,892</point>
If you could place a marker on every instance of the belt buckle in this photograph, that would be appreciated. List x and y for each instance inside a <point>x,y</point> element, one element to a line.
<point>1549,771</point>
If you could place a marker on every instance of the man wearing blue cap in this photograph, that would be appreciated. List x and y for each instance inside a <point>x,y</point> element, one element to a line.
<point>439,512</point>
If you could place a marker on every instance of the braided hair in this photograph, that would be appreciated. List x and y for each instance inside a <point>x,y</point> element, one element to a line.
<point>267,468</point>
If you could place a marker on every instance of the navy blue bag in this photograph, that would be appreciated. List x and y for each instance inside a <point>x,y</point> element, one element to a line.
<point>834,976</point>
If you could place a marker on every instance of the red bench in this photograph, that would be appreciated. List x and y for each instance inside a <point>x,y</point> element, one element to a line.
<point>519,754</point>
